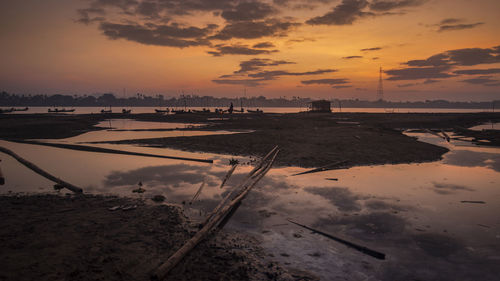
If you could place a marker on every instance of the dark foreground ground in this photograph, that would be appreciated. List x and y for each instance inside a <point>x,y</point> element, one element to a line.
<point>49,237</point>
<point>306,140</point>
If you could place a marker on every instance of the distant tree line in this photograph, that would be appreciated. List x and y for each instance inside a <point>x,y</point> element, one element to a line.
<point>109,99</point>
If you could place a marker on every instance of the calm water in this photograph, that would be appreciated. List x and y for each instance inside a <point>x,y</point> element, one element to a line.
<point>411,212</point>
<point>88,110</point>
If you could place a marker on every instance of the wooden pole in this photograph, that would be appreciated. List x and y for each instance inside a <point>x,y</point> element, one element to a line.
<point>2,179</point>
<point>107,150</point>
<point>164,268</point>
<point>360,248</point>
<point>39,171</point>
<point>228,175</point>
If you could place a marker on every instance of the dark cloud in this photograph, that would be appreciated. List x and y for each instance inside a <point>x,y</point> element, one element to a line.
<point>478,71</point>
<point>431,81</point>
<point>483,80</point>
<point>256,64</point>
<point>458,26</point>
<point>343,14</point>
<point>88,16</point>
<point>247,11</point>
<point>246,82</point>
<point>440,65</point>
<point>407,85</point>
<point>163,35</point>
<point>352,57</point>
<point>371,49</point>
<point>263,45</point>
<point>238,50</point>
<point>300,40</point>
<point>450,21</point>
<point>271,75</point>
<point>415,73</point>
<point>326,81</point>
<point>255,29</point>
<point>388,5</point>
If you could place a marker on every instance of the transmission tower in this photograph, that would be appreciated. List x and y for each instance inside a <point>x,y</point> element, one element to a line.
<point>380,89</point>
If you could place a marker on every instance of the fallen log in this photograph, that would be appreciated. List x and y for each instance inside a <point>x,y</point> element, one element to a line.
<point>41,172</point>
<point>323,168</point>
<point>108,150</point>
<point>362,249</point>
<point>161,272</point>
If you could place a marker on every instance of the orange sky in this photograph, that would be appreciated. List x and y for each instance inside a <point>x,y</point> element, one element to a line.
<point>312,48</point>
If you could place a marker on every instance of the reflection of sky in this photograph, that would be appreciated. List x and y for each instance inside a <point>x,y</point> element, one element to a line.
<point>412,212</point>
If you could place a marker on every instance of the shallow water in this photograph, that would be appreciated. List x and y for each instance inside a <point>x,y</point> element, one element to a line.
<point>411,212</point>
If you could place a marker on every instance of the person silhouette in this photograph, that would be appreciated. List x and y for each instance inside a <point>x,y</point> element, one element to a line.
<point>230,108</point>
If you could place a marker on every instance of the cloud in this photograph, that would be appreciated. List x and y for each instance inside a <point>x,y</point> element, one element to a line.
<point>346,13</point>
<point>246,82</point>
<point>247,11</point>
<point>271,75</point>
<point>450,21</point>
<point>238,50</point>
<point>414,73</point>
<point>478,71</point>
<point>387,5</point>
<point>446,188</point>
<point>458,26</point>
<point>172,35</point>
<point>407,85</point>
<point>256,64</point>
<point>483,80</point>
<point>371,49</point>
<point>439,65</point>
<point>85,15</point>
<point>342,86</point>
<point>326,81</point>
<point>352,57</point>
<point>263,45</point>
<point>255,29</point>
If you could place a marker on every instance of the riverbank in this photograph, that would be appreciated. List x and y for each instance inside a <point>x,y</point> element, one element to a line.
<point>50,237</point>
<point>305,140</point>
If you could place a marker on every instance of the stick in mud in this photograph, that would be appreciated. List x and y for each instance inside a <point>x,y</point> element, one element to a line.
<point>41,172</point>
<point>473,202</point>
<point>228,175</point>
<point>362,249</point>
<point>108,150</point>
<point>2,179</point>
<point>198,192</point>
<point>324,168</point>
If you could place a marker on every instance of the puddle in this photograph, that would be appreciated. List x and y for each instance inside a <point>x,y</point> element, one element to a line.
<point>411,212</point>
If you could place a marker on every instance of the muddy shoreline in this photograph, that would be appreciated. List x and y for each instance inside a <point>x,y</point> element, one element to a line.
<point>51,237</point>
<point>305,140</point>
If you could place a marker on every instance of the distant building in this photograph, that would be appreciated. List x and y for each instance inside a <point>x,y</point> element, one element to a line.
<point>320,106</point>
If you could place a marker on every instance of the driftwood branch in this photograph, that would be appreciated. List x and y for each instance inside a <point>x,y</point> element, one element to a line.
<point>212,223</point>
<point>228,175</point>
<point>323,168</point>
<point>41,172</point>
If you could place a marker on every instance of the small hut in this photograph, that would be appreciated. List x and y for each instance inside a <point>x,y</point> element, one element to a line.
<point>320,106</point>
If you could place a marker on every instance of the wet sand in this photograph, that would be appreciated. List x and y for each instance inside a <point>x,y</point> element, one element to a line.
<point>50,237</point>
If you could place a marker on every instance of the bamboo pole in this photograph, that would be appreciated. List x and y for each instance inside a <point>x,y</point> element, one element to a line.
<point>228,175</point>
<point>108,150</point>
<point>362,249</point>
<point>41,172</point>
<point>197,192</point>
<point>164,268</point>
<point>234,190</point>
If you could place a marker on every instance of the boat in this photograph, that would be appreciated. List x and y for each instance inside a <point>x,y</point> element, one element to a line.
<point>104,110</point>
<point>182,111</point>
<point>255,111</point>
<point>62,110</point>
<point>20,109</point>
<point>162,110</point>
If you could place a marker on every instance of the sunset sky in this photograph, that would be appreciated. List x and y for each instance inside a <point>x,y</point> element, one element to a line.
<point>428,49</point>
